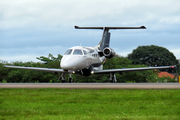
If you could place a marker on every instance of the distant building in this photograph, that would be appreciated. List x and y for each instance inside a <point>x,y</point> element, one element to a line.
<point>165,74</point>
<point>3,62</point>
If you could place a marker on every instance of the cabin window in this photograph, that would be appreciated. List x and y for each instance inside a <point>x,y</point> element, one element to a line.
<point>85,52</point>
<point>77,52</point>
<point>94,55</point>
<point>68,52</point>
<point>91,51</point>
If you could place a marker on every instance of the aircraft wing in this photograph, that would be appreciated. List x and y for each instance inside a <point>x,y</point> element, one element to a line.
<point>131,69</point>
<point>95,72</point>
<point>36,68</point>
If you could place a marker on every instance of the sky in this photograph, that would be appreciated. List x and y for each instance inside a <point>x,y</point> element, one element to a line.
<point>34,28</point>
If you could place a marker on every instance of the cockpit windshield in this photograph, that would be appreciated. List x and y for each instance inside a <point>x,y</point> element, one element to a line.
<point>68,52</point>
<point>77,52</point>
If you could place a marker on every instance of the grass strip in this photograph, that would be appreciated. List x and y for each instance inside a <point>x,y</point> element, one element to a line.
<point>89,104</point>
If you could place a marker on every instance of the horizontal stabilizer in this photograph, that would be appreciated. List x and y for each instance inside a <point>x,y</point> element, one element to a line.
<point>104,43</point>
<point>141,27</point>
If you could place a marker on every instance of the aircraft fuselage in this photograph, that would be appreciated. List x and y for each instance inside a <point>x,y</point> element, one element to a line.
<point>78,58</point>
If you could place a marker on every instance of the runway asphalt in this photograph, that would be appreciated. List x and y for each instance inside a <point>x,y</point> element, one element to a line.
<point>93,85</point>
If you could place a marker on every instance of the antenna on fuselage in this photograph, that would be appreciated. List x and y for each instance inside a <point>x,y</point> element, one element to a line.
<point>106,34</point>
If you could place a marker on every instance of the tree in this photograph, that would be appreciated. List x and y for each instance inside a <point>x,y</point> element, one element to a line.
<point>15,76</point>
<point>153,56</point>
<point>123,62</point>
<point>19,75</point>
<point>50,58</point>
<point>117,62</point>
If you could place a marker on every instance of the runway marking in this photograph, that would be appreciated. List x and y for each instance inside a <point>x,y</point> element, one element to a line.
<point>93,85</point>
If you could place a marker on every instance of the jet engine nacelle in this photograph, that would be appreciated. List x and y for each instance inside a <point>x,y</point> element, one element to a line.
<point>108,52</point>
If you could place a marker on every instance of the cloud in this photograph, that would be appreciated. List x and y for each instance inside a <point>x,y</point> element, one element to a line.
<point>34,26</point>
<point>39,13</point>
<point>18,54</point>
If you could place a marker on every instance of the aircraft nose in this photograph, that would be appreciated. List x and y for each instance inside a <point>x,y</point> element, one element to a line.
<point>67,64</point>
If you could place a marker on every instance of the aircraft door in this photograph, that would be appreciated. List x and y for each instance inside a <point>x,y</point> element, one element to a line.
<point>88,60</point>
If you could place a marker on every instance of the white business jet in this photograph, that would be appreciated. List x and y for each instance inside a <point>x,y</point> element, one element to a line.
<point>89,60</point>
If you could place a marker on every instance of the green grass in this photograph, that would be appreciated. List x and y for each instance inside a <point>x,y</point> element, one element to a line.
<point>90,104</point>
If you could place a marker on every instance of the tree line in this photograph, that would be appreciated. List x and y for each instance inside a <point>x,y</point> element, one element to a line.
<point>132,61</point>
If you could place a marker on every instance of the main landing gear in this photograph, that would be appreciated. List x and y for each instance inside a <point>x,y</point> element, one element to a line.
<point>112,78</point>
<point>62,78</point>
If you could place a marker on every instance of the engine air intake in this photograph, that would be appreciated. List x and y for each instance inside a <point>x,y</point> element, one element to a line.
<point>108,52</point>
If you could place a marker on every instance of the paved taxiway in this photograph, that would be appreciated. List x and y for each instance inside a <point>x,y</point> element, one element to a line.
<point>93,85</point>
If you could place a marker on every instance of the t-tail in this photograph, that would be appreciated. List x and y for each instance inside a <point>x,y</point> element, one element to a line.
<point>103,46</point>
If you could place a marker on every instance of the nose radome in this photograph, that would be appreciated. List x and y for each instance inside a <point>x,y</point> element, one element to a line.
<point>67,63</point>
<point>72,63</point>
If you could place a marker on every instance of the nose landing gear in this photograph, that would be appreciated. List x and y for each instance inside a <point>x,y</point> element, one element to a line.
<point>70,79</point>
<point>63,79</point>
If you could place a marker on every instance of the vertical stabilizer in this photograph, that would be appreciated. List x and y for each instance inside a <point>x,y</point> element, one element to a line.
<point>105,39</point>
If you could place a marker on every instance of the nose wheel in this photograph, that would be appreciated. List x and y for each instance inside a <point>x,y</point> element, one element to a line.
<point>70,79</point>
<point>63,79</point>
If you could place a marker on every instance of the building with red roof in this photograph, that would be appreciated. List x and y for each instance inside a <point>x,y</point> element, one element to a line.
<point>165,74</point>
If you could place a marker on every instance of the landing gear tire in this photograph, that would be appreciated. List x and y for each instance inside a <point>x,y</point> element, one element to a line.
<point>70,80</point>
<point>63,81</point>
<point>111,81</point>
